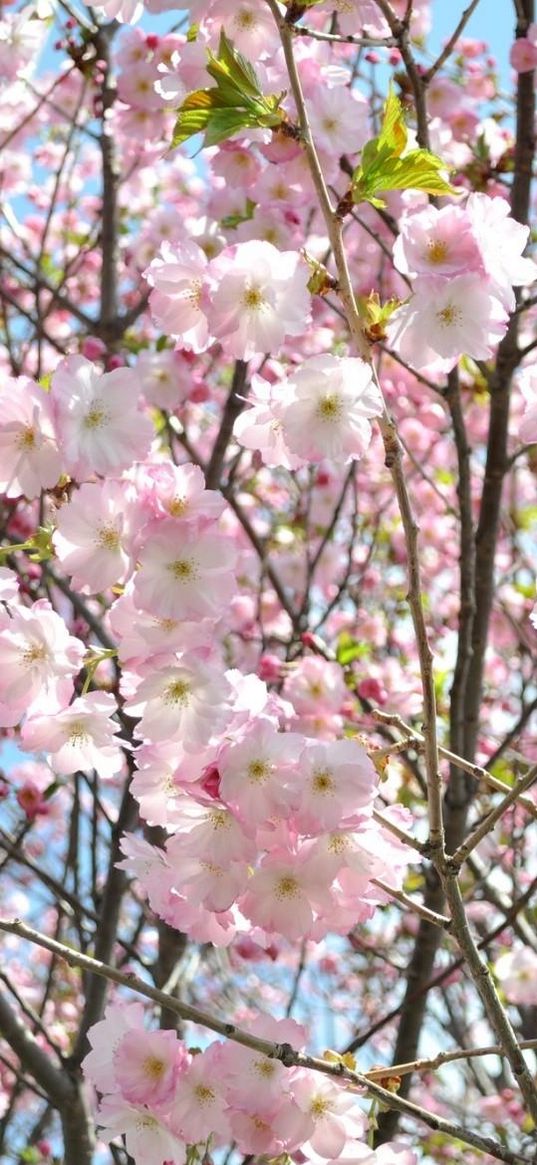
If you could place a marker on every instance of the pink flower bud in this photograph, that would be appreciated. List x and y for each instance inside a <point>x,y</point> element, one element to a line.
<point>92,348</point>
<point>115,361</point>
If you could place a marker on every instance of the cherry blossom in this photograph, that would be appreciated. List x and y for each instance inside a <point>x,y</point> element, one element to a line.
<point>183,700</point>
<point>260,298</point>
<point>146,1066</point>
<point>39,660</point>
<point>178,276</point>
<point>93,539</point>
<point>99,425</point>
<point>332,400</point>
<point>458,316</point>
<point>79,737</point>
<point>29,453</point>
<point>180,571</point>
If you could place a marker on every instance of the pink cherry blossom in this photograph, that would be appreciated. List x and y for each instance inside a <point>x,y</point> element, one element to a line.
<point>259,427</point>
<point>200,1098</point>
<point>80,737</point>
<point>165,378</point>
<point>38,661</point>
<point>337,779</point>
<point>457,316</point>
<point>186,574</point>
<point>333,1111</point>
<point>332,399</point>
<point>288,892</point>
<point>29,456</point>
<point>99,425</point>
<point>249,25</point>
<point>184,700</point>
<point>147,1136</point>
<point>178,276</point>
<point>255,772</point>
<point>502,240</point>
<point>339,119</point>
<point>523,55</point>
<point>146,1066</point>
<point>260,297</point>
<point>105,1037</point>
<point>92,537</point>
<point>516,972</point>
<point>178,491</point>
<point>437,242</point>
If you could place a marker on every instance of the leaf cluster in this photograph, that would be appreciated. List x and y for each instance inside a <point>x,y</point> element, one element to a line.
<point>234,103</point>
<point>387,164</point>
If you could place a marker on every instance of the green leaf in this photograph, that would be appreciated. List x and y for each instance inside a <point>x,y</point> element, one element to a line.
<point>393,134</point>
<point>193,116</point>
<point>231,65</point>
<point>236,101</point>
<point>384,165</point>
<point>226,122</point>
<point>230,222</point>
<point>192,33</point>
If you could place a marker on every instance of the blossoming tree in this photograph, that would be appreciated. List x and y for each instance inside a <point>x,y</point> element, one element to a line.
<point>267,469</point>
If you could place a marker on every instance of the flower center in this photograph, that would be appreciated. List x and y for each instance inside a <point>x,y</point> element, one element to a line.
<point>337,844</point>
<point>183,569</point>
<point>287,887</point>
<point>108,537</point>
<point>77,732</point>
<point>194,293</point>
<point>177,506</point>
<point>166,624</point>
<point>318,1106</point>
<point>245,19</point>
<point>265,1067</point>
<point>322,781</point>
<point>34,653</point>
<point>97,416</point>
<point>26,438</point>
<point>219,819</point>
<point>437,251</point>
<point>449,315</point>
<point>329,408</point>
<point>253,299</point>
<point>177,692</point>
<point>204,1094</point>
<point>154,1067</point>
<point>146,1122</point>
<point>258,770</point>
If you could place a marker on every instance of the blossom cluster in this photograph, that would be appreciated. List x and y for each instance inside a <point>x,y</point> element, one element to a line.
<point>169,656</point>
<point>270,828</point>
<point>161,1096</point>
<point>463,263</point>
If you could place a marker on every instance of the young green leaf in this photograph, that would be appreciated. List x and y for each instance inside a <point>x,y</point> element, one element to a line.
<point>236,101</point>
<point>384,165</point>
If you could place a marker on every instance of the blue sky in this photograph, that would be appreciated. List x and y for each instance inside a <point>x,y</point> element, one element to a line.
<point>493,21</point>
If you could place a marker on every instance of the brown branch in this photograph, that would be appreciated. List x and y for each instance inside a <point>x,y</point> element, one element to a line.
<point>50,1077</point>
<point>450,44</point>
<point>285,1053</point>
<point>106,934</point>
<point>490,820</point>
<point>392,447</point>
<point>500,385</point>
<point>110,179</point>
<point>234,405</point>
<point>483,981</point>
